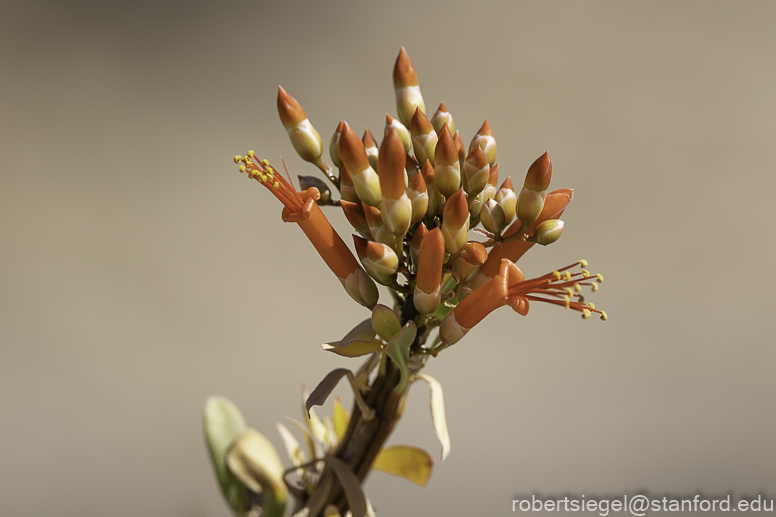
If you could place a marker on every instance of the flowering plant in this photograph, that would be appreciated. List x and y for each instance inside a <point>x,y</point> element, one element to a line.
<point>417,201</point>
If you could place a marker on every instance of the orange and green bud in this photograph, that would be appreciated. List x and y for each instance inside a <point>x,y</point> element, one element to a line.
<point>376,227</point>
<point>507,199</point>
<point>334,145</point>
<point>435,199</point>
<point>370,146</point>
<point>397,207</point>
<point>492,217</point>
<point>472,256</point>
<point>441,117</point>
<point>447,171</point>
<point>305,139</point>
<point>429,277</point>
<point>485,141</point>
<point>548,232</point>
<point>405,83</point>
<point>475,173</point>
<point>489,192</point>
<point>424,138</point>
<point>306,182</point>
<point>355,215</point>
<point>400,128</point>
<point>379,260</point>
<point>418,195</point>
<point>347,190</point>
<point>417,238</point>
<point>455,223</point>
<point>531,199</point>
<point>459,145</point>
<point>354,158</point>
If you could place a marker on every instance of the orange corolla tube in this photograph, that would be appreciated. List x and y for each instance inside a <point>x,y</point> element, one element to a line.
<point>554,205</point>
<point>427,295</point>
<point>301,208</point>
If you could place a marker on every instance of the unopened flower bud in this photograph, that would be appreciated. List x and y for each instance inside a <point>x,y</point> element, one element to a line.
<point>379,231</point>
<point>405,83</point>
<point>539,174</point>
<point>379,260</point>
<point>492,217</point>
<point>306,182</point>
<point>370,146</point>
<point>334,146</point>
<point>397,207</point>
<point>418,195</point>
<point>354,158</point>
<point>459,145</point>
<point>455,223</point>
<point>347,190</point>
<point>355,215</point>
<point>507,199</point>
<point>441,117</point>
<point>472,256</point>
<point>424,138</point>
<point>401,129</point>
<point>429,277</point>
<point>531,199</point>
<point>417,238</point>
<point>548,231</point>
<point>484,139</point>
<point>447,171</point>
<point>305,139</point>
<point>476,172</point>
<point>435,199</point>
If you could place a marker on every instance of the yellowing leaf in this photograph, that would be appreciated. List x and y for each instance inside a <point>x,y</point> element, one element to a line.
<point>341,419</point>
<point>408,462</point>
<point>354,349</point>
<point>438,412</point>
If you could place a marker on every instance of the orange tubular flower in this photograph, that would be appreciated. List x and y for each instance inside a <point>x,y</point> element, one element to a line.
<point>511,288</point>
<point>554,205</point>
<point>300,208</point>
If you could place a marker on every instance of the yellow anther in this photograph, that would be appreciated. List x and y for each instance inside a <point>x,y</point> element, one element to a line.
<point>242,168</point>
<point>585,314</point>
<point>276,184</point>
<point>600,278</point>
<point>567,275</point>
<point>237,158</point>
<point>603,315</point>
<point>251,153</point>
<point>592,305</point>
<point>583,263</point>
<point>578,288</point>
<point>557,275</point>
<point>265,162</point>
<point>594,287</point>
<point>569,290</point>
<point>568,302</point>
<point>585,273</point>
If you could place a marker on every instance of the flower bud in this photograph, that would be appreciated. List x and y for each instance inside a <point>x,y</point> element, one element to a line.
<point>397,207</point>
<point>401,129</point>
<point>435,199</point>
<point>429,277</point>
<point>355,215</point>
<point>548,231</point>
<point>418,195</point>
<point>420,233</point>
<point>354,158</point>
<point>424,138</point>
<point>305,139</point>
<point>507,199</point>
<point>539,174</point>
<point>531,199</point>
<point>459,145</point>
<point>370,146</point>
<point>334,146</point>
<point>447,172</point>
<point>472,256</point>
<point>484,139</point>
<point>376,227</point>
<point>489,192</point>
<point>476,172</point>
<point>411,169</point>
<point>405,83</point>
<point>347,190</point>
<point>441,117</point>
<point>455,223</point>
<point>492,217</point>
<point>306,182</point>
<point>379,260</point>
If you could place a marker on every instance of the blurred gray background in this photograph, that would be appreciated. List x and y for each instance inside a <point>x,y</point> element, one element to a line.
<point>141,273</point>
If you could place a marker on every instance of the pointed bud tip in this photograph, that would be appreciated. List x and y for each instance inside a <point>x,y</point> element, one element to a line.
<point>403,71</point>
<point>420,124</point>
<point>485,129</point>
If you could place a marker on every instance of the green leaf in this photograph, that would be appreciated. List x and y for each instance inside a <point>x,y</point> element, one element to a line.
<point>412,463</point>
<point>350,485</point>
<point>399,350</point>
<point>359,341</point>
<point>385,322</point>
<point>255,462</point>
<point>438,412</point>
<point>341,419</point>
<point>223,423</point>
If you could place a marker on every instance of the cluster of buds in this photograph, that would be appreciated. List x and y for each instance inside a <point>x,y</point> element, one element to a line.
<point>432,221</point>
